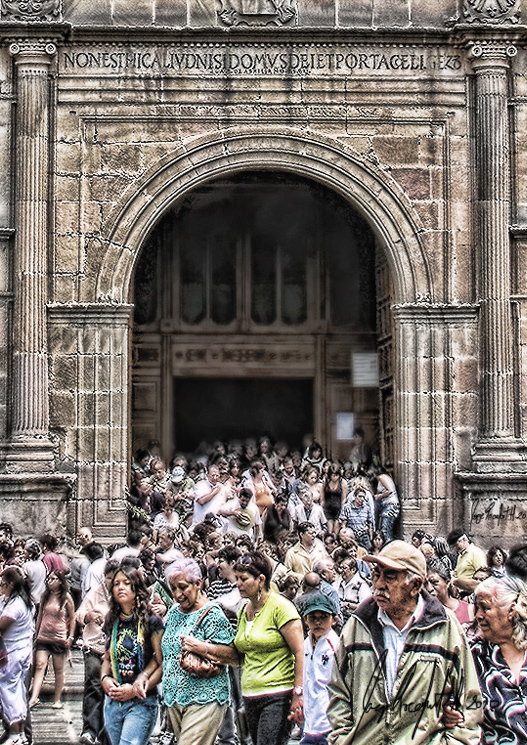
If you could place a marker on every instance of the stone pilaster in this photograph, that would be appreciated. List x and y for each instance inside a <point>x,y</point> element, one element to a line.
<point>6,301</point>
<point>31,449</point>
<point>89,396</point>
<point>436,382</point>
<point>491,63</point>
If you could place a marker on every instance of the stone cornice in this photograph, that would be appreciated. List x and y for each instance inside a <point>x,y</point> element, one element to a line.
<point>35,482</point>
<point>482,479</point>
<point>15,33</point>
<point>479,34</point>
<point>6,233</point>
<point>412,312</point>
<point>459,34</point>
<point>431,36</point>
<point>518,231</point>
<point>93,313</point>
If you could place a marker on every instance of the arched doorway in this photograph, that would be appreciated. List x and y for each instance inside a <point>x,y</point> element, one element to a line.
<point>261,300</point>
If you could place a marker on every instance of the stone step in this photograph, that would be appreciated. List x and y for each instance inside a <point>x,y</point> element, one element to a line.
<point>60,726</point>
<point>64,726</point>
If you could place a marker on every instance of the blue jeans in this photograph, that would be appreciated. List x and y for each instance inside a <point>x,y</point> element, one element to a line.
<point>131,722</point>
<point>387,521</point>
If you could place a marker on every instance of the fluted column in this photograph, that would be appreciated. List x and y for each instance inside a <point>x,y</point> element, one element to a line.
<point>30,414</point>
<point>492,138</point>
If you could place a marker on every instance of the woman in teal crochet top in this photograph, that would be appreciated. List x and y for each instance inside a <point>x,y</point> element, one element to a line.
<point>196,706</point>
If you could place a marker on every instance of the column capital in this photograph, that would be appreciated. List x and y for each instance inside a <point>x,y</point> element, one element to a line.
<point>32,51</point>
<point>486,53</point>
<point>489,47</point>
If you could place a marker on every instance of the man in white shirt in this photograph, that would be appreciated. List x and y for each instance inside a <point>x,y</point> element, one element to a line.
<point>242,516</point>
<point>208,495</point>
<point>310,511</point>
<point>351,587</point>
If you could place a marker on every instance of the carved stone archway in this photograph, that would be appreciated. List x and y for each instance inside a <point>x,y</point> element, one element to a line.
<point>372,192</point>
<point>424,328</point>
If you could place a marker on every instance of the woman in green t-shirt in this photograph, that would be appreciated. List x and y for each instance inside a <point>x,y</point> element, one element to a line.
<point>269,645</point>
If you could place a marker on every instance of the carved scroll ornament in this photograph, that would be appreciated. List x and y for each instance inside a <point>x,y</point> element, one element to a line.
<point>491,11</point>
<point>256,12</point>
<point>31,10</point>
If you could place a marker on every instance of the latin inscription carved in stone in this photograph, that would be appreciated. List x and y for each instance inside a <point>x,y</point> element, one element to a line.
<point>237,355</point>
<point>256,12</point>
<point>246,60</point>
<point>31,10</point>
<point>491,11</point>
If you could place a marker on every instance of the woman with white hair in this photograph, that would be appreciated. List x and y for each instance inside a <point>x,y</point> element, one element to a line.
<point>501,659</point>
<point>196,706</point>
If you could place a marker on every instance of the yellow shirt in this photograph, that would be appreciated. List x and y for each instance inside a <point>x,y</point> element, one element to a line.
<point>269,664</point>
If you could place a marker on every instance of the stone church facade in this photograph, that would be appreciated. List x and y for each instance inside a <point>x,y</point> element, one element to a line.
<point>363,163</point>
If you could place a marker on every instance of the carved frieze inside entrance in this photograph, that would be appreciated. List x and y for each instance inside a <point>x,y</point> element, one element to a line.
<point>264,279</point>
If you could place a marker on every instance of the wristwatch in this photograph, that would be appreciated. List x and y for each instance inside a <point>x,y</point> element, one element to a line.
<point>298,691</point>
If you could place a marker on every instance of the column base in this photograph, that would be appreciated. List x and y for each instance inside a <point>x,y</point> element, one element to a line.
<point>29,455</point>
<point>494,507</point>
<point>36,503</point>
<point>500,456</point>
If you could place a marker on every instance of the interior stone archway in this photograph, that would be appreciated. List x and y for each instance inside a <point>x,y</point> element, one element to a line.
<point>235,356</point>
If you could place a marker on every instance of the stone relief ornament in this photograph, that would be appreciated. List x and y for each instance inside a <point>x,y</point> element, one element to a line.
<point>31,10</point>
<point>256,12</point>
<point>491,11</point>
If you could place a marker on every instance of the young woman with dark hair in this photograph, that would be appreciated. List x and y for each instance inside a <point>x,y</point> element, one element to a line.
<point>131,667</point>
<point>334,496</point>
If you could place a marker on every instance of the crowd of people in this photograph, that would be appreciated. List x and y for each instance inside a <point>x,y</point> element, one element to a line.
<point>263,594</point>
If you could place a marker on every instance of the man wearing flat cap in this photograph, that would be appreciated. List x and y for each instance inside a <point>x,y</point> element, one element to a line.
<point>402,659</point>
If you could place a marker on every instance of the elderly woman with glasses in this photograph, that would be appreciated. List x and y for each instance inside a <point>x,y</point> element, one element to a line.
<point>269,646</point>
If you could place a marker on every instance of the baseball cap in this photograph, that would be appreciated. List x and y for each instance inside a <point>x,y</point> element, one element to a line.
<point>319,601</point>
<point>401,556</point>
<point>178,474</point>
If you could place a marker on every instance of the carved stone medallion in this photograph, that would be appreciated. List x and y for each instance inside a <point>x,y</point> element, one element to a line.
<point>491,11</point>
<point>31,10</point>
<point>256,12</point>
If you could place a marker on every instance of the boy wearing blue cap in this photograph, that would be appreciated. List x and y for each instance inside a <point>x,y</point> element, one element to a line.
<point>320,615</point>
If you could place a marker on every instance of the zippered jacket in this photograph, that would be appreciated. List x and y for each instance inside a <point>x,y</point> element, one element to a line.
<point>435,667</point>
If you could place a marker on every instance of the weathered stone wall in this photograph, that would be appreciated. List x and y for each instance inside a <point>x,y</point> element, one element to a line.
<point>413,111</point>
<point>127,147</point>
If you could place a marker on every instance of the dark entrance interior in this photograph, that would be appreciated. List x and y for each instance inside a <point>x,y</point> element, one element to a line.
<point>208,409</point>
